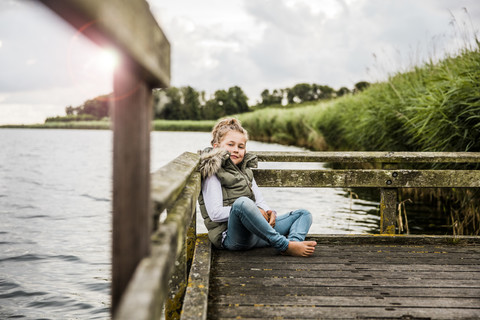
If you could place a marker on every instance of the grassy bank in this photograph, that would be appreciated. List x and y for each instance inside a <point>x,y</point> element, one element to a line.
<point>431,108</point>
<point>157,125</point>
<point>435,107</point>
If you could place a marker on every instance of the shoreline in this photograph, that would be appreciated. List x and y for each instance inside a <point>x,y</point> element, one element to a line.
<point>157,125</point>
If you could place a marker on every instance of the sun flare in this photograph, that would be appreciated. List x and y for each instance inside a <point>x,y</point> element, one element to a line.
<point>108,59</point>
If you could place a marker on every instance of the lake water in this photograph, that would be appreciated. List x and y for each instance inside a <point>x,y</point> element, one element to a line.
<point>55,216</point>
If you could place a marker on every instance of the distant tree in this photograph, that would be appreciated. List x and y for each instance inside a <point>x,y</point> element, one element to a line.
<point>342,91</point>
<point>360,86</point>
<point>70,111</point>
<point>171,110</point>
<point>191,104</point>
<point>322,92</point>
<point>237,100</point>
<point>275,97</point>
<point>213,110</point>
<point>300,92</point>
<point>97,107</point>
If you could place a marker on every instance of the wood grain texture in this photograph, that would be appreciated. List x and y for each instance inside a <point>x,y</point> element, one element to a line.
<point>375,157</point>
<point>132,207</point>
<point>401,178</point>
<point>350,277</point>
<point>196,298</point>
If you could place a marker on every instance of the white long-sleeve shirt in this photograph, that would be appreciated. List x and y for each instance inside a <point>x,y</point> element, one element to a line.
<point>213,198</point>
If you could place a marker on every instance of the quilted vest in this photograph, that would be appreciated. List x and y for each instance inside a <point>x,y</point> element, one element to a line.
<point>236,181</point>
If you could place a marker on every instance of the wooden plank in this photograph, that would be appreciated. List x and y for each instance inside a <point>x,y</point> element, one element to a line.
<point>358,301</point>
<point>131,178</point>
<point>196,298</point>
<point>126,24</point>
<point>181,214</point>
<point>231,271</point>
<point>367,178</point>
<point>314,312</point>
<point>375,157</point>
<point>348,291</point>
<point>146,292</point>
<point>349,277</point>
<point>170,180</point>
<point>148,288</point>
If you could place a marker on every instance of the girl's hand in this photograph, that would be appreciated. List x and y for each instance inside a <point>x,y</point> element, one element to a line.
<point>265,214</point>
<point>273,217</point>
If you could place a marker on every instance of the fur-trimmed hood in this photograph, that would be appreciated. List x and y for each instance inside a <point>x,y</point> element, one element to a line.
<point>212,159</point>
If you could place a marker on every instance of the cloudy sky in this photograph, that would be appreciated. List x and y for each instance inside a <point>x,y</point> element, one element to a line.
<point>45,65</point>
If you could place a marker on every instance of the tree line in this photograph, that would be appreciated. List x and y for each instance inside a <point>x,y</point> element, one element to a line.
<point>186,103</point>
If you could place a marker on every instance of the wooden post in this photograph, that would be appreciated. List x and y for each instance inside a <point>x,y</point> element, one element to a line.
<point>388,210</point>
<point>132,110</point>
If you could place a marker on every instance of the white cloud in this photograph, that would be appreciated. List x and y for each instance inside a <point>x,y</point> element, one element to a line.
<point>27,113</point>
<point>216,44</point>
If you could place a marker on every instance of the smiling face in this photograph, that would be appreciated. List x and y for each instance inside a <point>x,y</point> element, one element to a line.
<point>234,142</point>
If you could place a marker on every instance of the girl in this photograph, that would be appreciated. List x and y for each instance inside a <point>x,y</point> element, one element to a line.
<point>232,206</point>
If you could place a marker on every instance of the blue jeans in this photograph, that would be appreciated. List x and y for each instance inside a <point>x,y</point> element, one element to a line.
<point>247,228</point>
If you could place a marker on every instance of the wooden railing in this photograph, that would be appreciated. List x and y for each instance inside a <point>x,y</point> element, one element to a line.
<point>388,180</point>
<point>161,278</point>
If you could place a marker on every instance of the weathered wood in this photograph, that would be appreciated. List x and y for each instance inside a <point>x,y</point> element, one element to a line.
<point>181,214</point>
<point>126,24</point>
<point>131,178</point>
<point>351,277</point>
<point>170,180</point>
<point>196,298</point>
<point>388,210</point>
<point>367,178</point>
<point>349,291</point>
<point>148,289</point>
<point>375,157</point>
<point>364,312</point>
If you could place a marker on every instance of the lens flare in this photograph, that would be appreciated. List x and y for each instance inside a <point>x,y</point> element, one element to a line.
<point>108,59</point>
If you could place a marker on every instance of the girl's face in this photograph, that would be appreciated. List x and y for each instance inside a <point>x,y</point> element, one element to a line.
<point>235,143</point>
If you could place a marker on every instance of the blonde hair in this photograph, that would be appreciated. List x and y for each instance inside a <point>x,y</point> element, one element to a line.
<point>224,126</point>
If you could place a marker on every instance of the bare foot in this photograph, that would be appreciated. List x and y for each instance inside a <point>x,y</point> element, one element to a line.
<point>301,249</point>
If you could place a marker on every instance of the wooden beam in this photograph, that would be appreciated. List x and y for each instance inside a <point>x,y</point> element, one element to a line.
<point>388,210</point>
<point>131,177</point>
<point>126,24</point>
<point>148,289</point>
<point>366,157</point>
<point>196,299</point>
<point>367,178</point>
<point>170,180</point>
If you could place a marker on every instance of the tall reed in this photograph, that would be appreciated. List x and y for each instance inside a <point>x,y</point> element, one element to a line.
<point>435,107</point>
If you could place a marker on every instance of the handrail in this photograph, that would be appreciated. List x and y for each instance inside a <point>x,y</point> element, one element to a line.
<point>387,180</point>
<point>373,156</point>
<point>164,272</point>
<point>368,178</point>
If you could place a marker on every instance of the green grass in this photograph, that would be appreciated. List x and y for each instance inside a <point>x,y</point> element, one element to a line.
<point>95,125</point>
<point>435,107</point>
<point>183,125</point>
<point>157,125</point>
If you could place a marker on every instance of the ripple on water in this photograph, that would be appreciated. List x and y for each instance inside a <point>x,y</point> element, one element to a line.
<point>36,257</point>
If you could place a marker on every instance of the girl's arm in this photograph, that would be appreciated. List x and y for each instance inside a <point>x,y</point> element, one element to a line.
<point>259,201</point>
<point>213,198</point>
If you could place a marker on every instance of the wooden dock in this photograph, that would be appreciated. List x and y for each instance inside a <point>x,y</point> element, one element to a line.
<point>378,277</point>
<point>349,277</point>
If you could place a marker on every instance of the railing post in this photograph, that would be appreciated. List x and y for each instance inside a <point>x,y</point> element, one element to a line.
<point>131,112</point>
<point>388,210</point>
